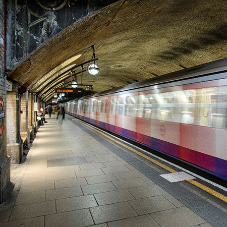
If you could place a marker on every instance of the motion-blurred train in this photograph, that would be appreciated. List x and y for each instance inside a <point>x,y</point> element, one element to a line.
<point>181,114</point>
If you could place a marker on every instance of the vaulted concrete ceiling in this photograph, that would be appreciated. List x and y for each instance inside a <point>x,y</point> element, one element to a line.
<point>133,40</point>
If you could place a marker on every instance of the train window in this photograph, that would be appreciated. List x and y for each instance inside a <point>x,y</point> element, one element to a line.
<point>75,107</point>
<point>131,106</point>
<point>185,107</point>
<point>166,103</point>
<point>205,107</point>
<point>90,105</point>
<point>145,106</point>
<point>112,105</point>
<point>94,107</point>
<point>98,109</point>
<point>219,107</point>
<point>119,106</point>
<point>86,105</point>
<point>157,100</point>
<point>103,105</point>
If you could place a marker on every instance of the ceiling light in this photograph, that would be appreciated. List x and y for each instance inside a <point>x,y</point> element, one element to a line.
<point>74,84</point>
<point>93,68</point>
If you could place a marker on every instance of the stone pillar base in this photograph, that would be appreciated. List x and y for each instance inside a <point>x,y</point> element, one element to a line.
<point>25,136</point>
<point>15,152</point>
<point>32,132</point>
<point>35,125</point>
<point>4,176</point>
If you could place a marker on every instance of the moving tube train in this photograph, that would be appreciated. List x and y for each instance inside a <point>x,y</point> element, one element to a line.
<point>182,114</point>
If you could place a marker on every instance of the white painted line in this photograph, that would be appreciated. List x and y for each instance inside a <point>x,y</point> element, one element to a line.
<point>176,177</point>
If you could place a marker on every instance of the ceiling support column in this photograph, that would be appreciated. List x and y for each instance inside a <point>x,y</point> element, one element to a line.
<point>14,143</point>
<point>31,115</point>
<point>4,159</point>
<point>25,134</point>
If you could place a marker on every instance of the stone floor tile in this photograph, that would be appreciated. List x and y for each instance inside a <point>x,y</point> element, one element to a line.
<point>34,178</point>
<point>70,182</point>
<point>130,167</point>
<point>151,204</point>
<point>30,197</point>
<point>59,156</point>
<point>61,169</point>
<point>174,201</point>
<point>90,159</point>
<point>101,225</point>
<point>147,180</point>
<point>78,218</point>
<point>36,186</point>
<point>75,203</point>
<point>178,217</point>
<point>146,191</point>
<point>61,176</point>
<point>82,153</point>
<point>130,183</point>
<point>114,164</point>
<point>105,158</point>
<point>100,152</point>
<point>92,166</point>
<point>5,213</point>
<point>33,222</point>
<point>33,210</point>
<point>205,225</point>
<point>112,212</point>
<point>98,188</point>
<point>87,173</point>
<point>140,221</point>
<point>63,193</point>
<point>101,179</point>
<point>127,175</point>
<point>115,170</point>
<point>113,197</point>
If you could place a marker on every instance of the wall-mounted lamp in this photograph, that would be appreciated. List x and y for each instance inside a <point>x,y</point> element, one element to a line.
<point>93,68</point>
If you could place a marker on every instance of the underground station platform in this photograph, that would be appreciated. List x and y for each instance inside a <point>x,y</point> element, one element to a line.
<point>77,175</point>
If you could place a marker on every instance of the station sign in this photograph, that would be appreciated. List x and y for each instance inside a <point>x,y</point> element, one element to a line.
<point>2,115</point>
<point>68,90</point>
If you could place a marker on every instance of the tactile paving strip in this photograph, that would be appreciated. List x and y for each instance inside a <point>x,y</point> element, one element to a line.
<point>66,162</point>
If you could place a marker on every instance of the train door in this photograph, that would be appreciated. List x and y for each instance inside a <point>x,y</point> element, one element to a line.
<point>102,119</point>
<point>93,111</point>
<point>79,109</point>
<point>111,114</point>
<point>86,110</point>
<point>108,100</point>
<point>90,108</point>
<point>119,112</point>
<point>143,121</point>
<point>130,115</point>
<point>98,110</point>
<point>75,108</point>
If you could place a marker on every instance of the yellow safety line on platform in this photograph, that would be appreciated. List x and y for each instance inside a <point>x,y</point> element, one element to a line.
<point>209,190</point>
<point>203,187</point>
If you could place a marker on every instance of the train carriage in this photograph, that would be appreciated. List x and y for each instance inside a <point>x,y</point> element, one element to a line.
<point>183,116</point>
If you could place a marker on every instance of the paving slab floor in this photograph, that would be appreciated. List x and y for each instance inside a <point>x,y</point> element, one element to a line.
<point>72,176</point>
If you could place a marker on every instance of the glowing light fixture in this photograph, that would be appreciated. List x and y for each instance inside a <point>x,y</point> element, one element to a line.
<point>74,84</point>
<point>93,68</point>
